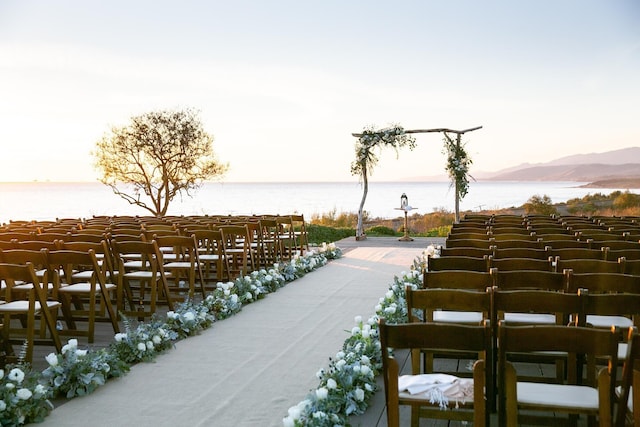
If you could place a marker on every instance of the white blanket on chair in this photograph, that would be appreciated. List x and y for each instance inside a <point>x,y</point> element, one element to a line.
<point>438,388</point>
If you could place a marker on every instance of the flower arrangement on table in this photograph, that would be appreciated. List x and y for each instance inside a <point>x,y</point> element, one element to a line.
<point>347,386</point>
<point>25,394</point>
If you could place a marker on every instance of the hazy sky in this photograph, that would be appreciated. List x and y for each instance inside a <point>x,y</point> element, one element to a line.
<point>281,85</point>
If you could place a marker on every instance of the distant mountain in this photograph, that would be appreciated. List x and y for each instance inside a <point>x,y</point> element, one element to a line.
<point>610,165</point>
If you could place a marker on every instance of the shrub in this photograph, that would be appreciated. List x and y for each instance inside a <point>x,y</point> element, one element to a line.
<point>319,234</point>
<point>380,230</point>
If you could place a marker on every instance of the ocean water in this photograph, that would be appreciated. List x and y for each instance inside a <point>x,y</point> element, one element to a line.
<point>48,200</point>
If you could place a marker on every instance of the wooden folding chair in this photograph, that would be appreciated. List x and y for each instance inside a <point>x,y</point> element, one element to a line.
<point>518,243</point>
<point>182,264</point>
<point>499,253</point>
<point>415,336</point>
<point>300,232</point>
<point>529,279</point>
<point>271,245</point>
<point>628,409</point>
<point>141,278</point>
<point>83,290</point>
<point>452,306</point>
<point>591,396</point>
<point>535,307</point>
<point>579,253</point>
<point>469,243</point>
<point>237,247</point>
<point>211,252</point>
<point>28,306</point>
<point>464,251</point>
<point>457,279</point>
<point>580,266</point>
<point>458,263</point>
<point>521,264</point>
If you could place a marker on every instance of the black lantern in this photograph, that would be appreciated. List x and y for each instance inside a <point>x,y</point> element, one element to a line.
<point>404,201</point>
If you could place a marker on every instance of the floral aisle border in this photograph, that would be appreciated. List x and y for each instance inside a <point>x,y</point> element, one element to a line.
<point>349,383</point>
<point>25,393</point>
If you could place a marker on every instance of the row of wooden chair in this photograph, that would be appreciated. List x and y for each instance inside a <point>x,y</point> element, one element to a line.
<point>513,307</point>
<point>591,396</point>
<point>550,264</point>
<point>291,229</point>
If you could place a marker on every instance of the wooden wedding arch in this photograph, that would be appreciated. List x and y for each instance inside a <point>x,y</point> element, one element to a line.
<point>397,137</point>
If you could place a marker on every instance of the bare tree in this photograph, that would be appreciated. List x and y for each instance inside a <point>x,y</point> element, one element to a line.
<point>157,155</point>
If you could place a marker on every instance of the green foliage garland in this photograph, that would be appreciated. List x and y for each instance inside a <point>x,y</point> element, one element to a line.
<point>458,164</point>
<point>393,136</point>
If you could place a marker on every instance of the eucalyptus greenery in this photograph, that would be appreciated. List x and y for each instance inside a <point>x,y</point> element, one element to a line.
<point>458,164</point>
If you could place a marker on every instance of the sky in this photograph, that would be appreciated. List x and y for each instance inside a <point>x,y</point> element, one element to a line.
<point>282,84</point>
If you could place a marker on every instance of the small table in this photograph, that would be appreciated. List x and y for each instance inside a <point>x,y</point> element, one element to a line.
<point>406,237</point>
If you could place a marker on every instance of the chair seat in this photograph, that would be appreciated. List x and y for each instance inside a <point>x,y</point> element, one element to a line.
<point>209,257</point>
<point>83,288</point>
<point>29,286</point>
<point>630,400</point>
<point>557,395</point>
<point>140,275</point>
<point>22,306</point>
<point>530,318</point>
<point>598,321</point>
<point>457,316</point>
<point>83,275</point>
<point>178,264</point>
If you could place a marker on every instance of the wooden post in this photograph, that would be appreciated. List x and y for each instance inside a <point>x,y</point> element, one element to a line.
<point>457,189</point>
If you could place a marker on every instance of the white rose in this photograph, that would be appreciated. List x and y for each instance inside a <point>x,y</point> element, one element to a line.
<point>73,343</point>
<point>358,319</point>
<point>322,393</point>
<point>81,353</point>
<point>288,422</point>
<point>359,394</point>
<point>16,375</point>
<point>52,359</point>
<point>24,394</point>
<point>142,346</point>
<point>332,384</point>
<point>120,337</point>
<point>156,339</point>
<point>189,316</point>
<point>295,412</point>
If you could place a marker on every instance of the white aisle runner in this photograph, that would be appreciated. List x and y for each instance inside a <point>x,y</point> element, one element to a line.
<point>249,369</point>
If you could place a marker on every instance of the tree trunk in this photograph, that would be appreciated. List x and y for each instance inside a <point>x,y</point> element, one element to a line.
<point>365,182</point>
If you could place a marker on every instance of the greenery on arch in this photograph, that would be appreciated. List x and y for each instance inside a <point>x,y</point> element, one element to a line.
<point>458,164</point>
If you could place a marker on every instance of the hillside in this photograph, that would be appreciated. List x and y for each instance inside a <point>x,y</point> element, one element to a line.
<point>603,170</point>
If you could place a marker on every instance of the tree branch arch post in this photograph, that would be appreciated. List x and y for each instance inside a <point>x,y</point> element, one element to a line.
<point>458,160</point>
<point>366,158</point>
